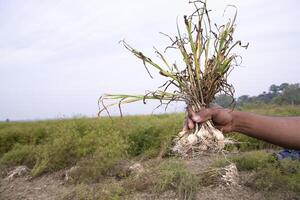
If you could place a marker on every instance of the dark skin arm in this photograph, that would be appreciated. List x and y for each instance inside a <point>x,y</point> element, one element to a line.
<point>282,131</point>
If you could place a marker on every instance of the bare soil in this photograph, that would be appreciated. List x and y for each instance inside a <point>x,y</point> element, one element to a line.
<point>47,187</point>
<point>53,187</point>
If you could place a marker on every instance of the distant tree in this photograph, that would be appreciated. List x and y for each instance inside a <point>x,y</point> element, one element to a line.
<point>243,99</point>
<point>224,100</point>
<point>280,94</point>
<point>274,89</point>
<point>283,86</point>
<point>278,100</point>
<point>266,97</point>
<point>7,120</point>
<point>290,95</point>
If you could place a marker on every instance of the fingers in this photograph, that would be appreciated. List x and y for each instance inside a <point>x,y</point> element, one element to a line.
<point>188,124</point>
<point>201,116</point>
<point>193,116</point>
<point>198,117</point>
<point>221,118</point>
<point>191,124</point>
<point>185,126</point>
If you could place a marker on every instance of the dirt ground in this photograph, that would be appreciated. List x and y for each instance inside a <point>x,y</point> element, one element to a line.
<point>53,187</point>
<point>48,187</point>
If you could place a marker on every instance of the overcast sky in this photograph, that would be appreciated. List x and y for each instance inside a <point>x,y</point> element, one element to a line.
<point>58,56</point>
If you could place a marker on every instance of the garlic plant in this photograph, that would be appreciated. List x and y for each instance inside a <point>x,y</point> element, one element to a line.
<point>207,52</point>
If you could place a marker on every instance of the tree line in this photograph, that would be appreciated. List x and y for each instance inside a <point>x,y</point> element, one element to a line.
<point>284,93</point>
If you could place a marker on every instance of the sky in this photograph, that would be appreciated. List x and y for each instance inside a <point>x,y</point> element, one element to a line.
<point>57,57</point>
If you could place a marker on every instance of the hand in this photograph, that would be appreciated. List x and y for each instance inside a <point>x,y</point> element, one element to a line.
<point>222,118</point>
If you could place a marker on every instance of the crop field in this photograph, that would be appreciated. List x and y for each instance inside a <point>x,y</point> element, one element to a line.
<point>129,158</point>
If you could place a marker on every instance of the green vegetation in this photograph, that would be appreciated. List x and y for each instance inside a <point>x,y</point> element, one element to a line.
<point>97,146</point>
<point>49,146</point>
<point>110,191</point>
<point>283,94</point>
<point>174,175</point>
<point>170,174</point>
<point>272,109</point>
<point>270,174</point>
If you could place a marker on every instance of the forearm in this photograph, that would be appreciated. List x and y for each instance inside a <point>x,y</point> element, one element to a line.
<point>282,131</point>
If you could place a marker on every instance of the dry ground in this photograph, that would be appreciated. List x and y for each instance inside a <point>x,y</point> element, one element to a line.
<point>53,187</point>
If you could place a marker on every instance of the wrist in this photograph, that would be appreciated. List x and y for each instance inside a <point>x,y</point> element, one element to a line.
<point>242,122</point>
<point>235,125</point>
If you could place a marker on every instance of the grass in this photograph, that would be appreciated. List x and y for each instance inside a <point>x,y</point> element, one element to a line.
<point>175,175</point>
<point>269,174</point>
<point>110,191</point>
<point>170,174</point>
<point>49,146</point>
<point>97,145</point>
<point>272,109</point>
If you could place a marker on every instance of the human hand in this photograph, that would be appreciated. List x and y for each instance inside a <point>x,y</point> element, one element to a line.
<point>222,118</point>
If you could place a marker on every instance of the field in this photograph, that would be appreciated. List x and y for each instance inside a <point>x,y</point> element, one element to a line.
<point>101,153</point>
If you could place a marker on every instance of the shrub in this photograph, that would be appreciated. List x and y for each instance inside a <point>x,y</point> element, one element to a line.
<point>109,191</point>
<point>174,175</point>
<point>19,155</point>
<point>254,160</point>
<point>268,173</point>
<point>57,154</point>
<point>285,176</point>
<point>109,151</point>
<point>144,140</point>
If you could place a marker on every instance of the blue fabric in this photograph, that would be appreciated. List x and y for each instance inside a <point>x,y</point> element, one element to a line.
<point>287,153</point>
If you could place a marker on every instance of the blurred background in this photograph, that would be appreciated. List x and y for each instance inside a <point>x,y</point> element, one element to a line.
<point>58,57</point>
